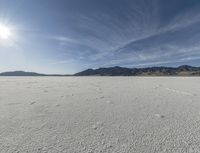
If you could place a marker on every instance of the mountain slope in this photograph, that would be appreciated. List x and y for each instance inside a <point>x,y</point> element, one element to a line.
<point>183,70</point>
<point>20,73</point>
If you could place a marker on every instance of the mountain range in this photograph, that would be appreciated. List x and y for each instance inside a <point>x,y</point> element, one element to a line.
<point>184,70</point>
<point>22,73</point>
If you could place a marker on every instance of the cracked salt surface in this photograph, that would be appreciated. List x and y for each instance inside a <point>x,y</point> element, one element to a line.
<point>131,114</point>
<point>180,92</point>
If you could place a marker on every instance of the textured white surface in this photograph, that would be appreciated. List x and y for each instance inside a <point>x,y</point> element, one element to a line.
<point>99,114</point>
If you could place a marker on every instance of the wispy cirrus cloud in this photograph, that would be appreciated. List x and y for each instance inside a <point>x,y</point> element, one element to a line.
<point>135,35</point>
<point>98,33</point>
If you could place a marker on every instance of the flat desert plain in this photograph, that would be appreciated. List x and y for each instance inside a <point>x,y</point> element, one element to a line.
<point>99,114</point>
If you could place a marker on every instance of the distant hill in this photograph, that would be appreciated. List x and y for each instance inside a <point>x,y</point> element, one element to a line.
<point>22,73</point>
<point>184,70</point>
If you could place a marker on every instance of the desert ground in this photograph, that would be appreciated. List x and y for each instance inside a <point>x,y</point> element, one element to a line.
<point>99,115</point>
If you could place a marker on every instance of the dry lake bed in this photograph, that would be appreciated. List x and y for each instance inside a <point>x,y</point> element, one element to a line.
<point>99,114</point>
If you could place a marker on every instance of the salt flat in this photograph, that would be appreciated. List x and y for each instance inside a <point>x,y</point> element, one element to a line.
<point>99,114</point>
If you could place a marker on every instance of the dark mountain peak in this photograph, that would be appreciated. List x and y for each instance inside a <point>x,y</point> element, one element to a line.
<point>118,67</point>
<point>86,72</point>
<point>187,68</point>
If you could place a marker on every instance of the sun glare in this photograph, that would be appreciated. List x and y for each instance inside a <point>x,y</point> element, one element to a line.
<point>5,32</point>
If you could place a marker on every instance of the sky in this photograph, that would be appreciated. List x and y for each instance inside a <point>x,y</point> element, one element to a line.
<point>68,36</point>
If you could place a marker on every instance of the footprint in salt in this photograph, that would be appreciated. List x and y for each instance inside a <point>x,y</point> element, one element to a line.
<point>103,142</point>
<point>102,97</point>
<point>57,105</point>
<point>159,116</point>
<point>109,144</point>
<point>97,125</point>
<point>110,102</point>
<point>94,127</point>
<point>32,102</point>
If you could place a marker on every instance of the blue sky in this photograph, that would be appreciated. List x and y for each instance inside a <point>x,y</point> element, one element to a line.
<point>67,36</point>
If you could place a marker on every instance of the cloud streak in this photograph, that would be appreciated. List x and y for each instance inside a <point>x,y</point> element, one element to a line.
<point>129,33</point>
<point>133,34</point>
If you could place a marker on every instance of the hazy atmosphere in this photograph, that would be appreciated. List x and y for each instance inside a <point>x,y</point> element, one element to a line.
<point>67,36</point>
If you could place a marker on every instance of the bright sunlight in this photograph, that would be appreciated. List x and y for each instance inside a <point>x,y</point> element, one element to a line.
<point>5,32</point>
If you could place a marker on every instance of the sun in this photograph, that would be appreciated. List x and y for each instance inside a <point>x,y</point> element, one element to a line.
<point>5,32</point>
